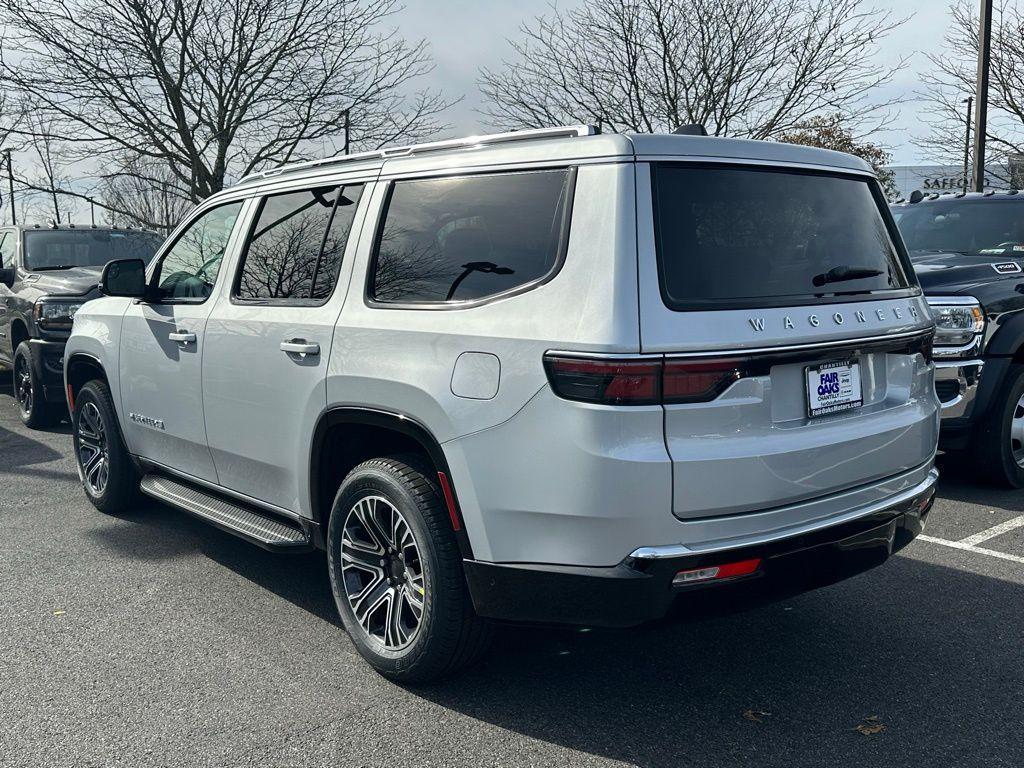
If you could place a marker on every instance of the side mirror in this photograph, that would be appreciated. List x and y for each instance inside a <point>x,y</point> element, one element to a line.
<point>7,276</point>
<point>124,277</point>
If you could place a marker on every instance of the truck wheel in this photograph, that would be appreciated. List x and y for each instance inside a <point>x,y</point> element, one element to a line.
<point>35,412</point>
<point>108,475</point>
<point>396,573</point>
<point>999,443</point>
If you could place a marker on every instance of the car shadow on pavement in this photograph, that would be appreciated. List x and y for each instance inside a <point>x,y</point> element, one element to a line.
<point>156,532</point>
<point>804,681</point>
<point>961,482</point>
<point>896,666</point>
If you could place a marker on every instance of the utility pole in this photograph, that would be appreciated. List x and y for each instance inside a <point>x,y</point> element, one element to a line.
<point>346,131</point>
<point>967,143</point>
<point>10,186</point>
<point>981,105</point>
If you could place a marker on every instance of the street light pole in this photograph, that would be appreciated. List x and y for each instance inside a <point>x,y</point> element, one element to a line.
<point>981,105</point>
<point>10,185</point>
<point>967,143</point>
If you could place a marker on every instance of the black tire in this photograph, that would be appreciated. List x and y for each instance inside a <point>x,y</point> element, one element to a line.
<point>33,409</point>
<point>119,493</point>
<point>449,635</point>
<point>992,444</point>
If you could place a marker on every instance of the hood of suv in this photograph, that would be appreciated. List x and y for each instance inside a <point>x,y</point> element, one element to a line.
<point>78,281</point>
<point>956,272</point>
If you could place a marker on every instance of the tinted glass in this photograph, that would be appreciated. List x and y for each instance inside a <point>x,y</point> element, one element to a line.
<point>743,237</point>
<point>470,237</point>
<point>54,249</point>
<point>283,258</point>
<point>8,241</point>
<point>334,243</point>
<point>190,268</point>
<point>980,227</point>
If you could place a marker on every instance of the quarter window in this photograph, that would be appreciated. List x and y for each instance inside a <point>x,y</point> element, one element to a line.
<point>189,270</point>
<point>468,238</point>
<point>297,243</point>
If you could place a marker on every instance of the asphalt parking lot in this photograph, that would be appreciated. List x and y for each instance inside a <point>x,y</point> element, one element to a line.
<point>156,640</point>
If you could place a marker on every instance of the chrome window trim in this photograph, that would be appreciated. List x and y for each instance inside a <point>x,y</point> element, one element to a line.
<point>745,351</point>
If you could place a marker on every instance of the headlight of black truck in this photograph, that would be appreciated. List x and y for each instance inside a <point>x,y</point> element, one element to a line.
<point>56,314</point>
<point>959,325</point>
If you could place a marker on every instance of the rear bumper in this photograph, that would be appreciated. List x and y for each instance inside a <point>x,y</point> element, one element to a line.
<point>640,588</point>
<point>49,357</point>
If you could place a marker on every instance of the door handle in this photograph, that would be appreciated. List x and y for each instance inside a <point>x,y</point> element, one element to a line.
<point>182,337</point>
<point>300,347</point>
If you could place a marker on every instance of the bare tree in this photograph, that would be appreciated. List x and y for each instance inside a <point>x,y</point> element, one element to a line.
<point>143,192</point>
<point>952,77</point>
<point>214,89</point>
<point>831,132</point>
<point>751,68</point>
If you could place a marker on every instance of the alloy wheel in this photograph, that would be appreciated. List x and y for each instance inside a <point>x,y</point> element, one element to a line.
<point>382,572</point>
<point>23,386</point>
<point>93,457</point>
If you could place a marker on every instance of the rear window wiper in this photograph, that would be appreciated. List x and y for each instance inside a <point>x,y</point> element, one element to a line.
<point>839,274</point>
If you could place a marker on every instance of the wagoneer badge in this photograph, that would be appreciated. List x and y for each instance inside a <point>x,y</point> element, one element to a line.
<point>146,421</point>
<point>858,317</point>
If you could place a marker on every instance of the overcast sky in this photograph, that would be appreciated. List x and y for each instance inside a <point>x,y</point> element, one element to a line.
<point>467,34</point>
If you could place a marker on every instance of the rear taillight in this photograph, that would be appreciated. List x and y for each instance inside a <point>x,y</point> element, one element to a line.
<point>698,381</point>
<point>641,381</point>
<point>612,382</point>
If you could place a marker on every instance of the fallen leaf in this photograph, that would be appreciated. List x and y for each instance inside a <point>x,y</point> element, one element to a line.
<point>870,726</point>
<point>756,715</point>
<point>59,613</point>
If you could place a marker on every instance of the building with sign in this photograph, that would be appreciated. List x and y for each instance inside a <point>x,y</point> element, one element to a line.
<point>944,178</point>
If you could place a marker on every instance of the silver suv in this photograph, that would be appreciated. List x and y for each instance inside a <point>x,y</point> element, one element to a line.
<point>550,376</point>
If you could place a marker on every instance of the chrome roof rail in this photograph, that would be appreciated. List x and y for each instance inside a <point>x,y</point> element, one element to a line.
<point>468,142</point>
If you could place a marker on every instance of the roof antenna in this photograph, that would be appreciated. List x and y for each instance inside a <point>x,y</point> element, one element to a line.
<point>692,129</point>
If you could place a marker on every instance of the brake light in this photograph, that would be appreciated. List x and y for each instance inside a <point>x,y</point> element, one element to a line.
<point>647,381</point>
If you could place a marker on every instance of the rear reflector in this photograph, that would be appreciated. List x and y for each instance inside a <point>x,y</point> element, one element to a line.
<point>449,501</point>
<point>717,572</point>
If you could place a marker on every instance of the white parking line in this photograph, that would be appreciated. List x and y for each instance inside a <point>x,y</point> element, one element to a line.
<point>963,545</point>
<point>995,530</point>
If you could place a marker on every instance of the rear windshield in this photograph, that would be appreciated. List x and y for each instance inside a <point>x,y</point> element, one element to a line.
<point>56,249</point>
<point>978,228</point>
<point>741,237</point>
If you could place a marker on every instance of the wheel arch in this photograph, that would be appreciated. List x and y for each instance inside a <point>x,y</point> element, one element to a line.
<point>80,369</point>
<point>346,436</point>
<point>19,333</point>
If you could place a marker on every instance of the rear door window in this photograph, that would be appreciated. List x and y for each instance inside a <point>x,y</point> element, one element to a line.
<point>468,238</point>
<point>742,237</point>
<point>295,248</point>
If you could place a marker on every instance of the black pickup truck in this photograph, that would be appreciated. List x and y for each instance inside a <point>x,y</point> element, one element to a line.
<point>46,274</point>
<point>968,251</point>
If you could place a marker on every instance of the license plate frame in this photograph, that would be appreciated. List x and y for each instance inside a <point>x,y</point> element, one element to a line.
<point>846,388</point>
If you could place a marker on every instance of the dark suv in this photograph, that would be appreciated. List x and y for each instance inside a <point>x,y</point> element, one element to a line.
<point>46,274</point>
<point>968,251</point>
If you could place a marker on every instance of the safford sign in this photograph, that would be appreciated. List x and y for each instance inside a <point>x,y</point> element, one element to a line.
<point>942,178</point>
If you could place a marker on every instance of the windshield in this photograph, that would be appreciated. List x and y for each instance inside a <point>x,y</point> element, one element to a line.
<point>733,236</point>
<point>978,228</point>
<point>52,249</point>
